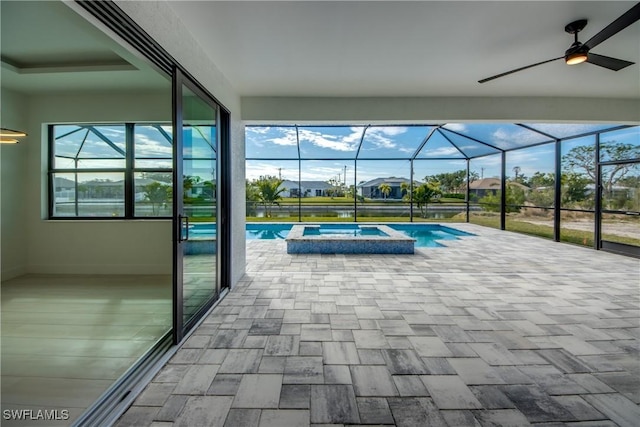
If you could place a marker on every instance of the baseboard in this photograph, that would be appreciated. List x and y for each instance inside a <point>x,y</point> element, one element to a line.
<point>146,269</point>
<point>10,273</point>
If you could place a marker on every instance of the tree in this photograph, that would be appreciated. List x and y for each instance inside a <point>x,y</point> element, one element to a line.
<point>269,190</point>
<point>514,198</point>
<point>252,197</point>
<point>542,188</point>
<point>582,159</point>
<point>574,189</point>
<point>405,189</point>
<point>385,189</point>
<point>336,188</point>
<point>450,182</point>
<point>209,190</point>
<point>351,191</point>
<point>424,193</point>
<point>158,195</point>
<point>517,170</point>
<point>540,179</point>
<point>188,181</point>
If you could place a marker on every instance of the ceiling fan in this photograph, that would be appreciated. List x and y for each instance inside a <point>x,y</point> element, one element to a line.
<point>579,52</point>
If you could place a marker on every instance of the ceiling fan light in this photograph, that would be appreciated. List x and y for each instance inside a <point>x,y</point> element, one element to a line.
<point>576,58</point>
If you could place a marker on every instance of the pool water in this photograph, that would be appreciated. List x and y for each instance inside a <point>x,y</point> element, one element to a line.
<point>267,231</point>
<point>426,235</point>
<point>252,231</point>
<point>342,230</point>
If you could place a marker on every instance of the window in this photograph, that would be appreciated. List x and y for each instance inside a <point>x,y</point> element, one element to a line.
<point>110,171</point>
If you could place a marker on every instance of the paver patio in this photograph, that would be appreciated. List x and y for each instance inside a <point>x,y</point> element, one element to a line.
<point>499,329</point>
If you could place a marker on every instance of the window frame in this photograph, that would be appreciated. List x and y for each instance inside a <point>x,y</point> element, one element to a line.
<point>129,172</point>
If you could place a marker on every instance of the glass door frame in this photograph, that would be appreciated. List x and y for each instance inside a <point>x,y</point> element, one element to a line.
<point>223,264</point>
<point>616,247</point>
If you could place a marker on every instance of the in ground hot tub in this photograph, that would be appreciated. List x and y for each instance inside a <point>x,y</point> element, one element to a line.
<point>347,239</point>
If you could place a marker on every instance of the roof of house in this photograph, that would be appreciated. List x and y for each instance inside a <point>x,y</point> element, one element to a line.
<point>306,184</point>
<point>492,184</point>
<point>64,183</point>
<point>393,181</point>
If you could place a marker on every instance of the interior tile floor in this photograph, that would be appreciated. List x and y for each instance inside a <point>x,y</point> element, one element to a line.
<point>67,338</point>
<point>499,329</point>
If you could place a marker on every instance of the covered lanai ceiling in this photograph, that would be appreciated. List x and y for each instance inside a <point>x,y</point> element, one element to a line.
<point>418,48</point>
<point>339,48</point>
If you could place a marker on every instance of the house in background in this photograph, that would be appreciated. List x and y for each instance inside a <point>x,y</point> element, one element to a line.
<point>484,186</point>
<point>65,189</point>
<point>371,189</point>
<point>305,188</point>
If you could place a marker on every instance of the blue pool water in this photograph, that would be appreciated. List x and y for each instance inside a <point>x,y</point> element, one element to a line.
<point>267,231</point>
<point>426,235</point>
<point>342,230</point>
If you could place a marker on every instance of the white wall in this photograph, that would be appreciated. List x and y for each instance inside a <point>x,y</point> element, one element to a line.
<point>159,21</point>
<point>439,110</point>
<point>90,247</point>
<point>13,187</point>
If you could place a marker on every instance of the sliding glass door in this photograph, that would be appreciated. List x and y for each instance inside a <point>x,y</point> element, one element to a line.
<point>195,220</point>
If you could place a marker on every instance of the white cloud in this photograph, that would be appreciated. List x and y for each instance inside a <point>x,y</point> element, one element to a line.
<point>392,130</point>
<point>255,170</point>
<point>289,139</point>
<point>562,129</point>
<point>146,146</point>
<point>259,130</point>
<point>332,142</point>
<point>379,136</point>
<point>474,148</point>
<point>441,151</point>
<point>520,137</point>
<point>321,173</point>
<point>456,127</point>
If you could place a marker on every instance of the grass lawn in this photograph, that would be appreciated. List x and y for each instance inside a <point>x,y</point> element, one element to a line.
<point>349,200</point>
<point>584,238</point>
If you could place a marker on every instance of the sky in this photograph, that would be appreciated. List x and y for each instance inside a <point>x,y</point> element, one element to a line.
<point>340,145</point>
<point>152,146</point>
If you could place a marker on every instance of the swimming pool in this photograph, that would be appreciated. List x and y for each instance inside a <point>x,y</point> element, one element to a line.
<point>348,239</point>
<point>253,231</point>
<point>342,230</point>
<point>429,235</point>
<point>426,235</point>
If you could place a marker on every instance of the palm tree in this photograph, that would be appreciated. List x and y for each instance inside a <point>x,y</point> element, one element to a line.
<point>269,190</point>
<point>405,189</point>
<point>424,194</point>
<point>516,170</point>
<point>385,189</point>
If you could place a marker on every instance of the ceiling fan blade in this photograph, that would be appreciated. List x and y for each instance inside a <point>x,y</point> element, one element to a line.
<point>518,69</point>
<point>626,19</point>
<point>607,62</point>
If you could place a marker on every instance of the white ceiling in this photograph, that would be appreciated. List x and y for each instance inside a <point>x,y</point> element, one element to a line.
<point>417,48</point>
<point>336,48</point>
<point>47,47</point>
